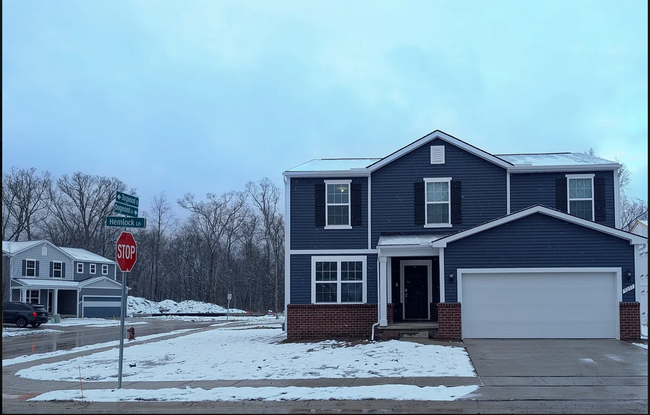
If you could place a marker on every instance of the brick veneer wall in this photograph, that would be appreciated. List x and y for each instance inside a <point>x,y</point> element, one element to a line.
<point>449,323</point>
<point>330,321</point>
<point>630,321</point>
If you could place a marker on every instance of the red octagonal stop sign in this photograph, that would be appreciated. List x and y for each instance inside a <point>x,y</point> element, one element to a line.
<point>126,251</point>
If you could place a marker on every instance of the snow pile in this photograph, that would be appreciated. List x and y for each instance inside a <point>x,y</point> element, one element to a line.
<point>139,305</point>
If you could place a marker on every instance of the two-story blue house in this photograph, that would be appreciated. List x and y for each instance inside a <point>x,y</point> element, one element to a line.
<point>67,281</point>
<point>445,238</point>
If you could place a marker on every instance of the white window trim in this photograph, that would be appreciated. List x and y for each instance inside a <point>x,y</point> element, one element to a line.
<point>27,268</point>
<point>432,154</point>
<point>568,192</point>
<point>28,297</point>
<point>426,203</point>
<point>338,260</point>
<point>54,271</point>
<point>104,269</point>
<point>349,204</point>
<point>92,268</point>
<point>80,268</point>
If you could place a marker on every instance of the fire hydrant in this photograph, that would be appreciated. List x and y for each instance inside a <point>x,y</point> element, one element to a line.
<point>131,333</point>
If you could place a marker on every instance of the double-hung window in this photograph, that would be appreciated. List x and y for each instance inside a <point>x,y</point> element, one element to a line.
<point>92,268</point>
<point>104,269</point>
<point>337,204</point>
<point>30,268</point>
<point>80,268</point>
<point>581,195</point>
<point>340,279</point>
<point>57,269</point>
<point>438,202</point>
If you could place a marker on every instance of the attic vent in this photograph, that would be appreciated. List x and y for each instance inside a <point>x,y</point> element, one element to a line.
<point>437,154</point>
<point>44,250</point>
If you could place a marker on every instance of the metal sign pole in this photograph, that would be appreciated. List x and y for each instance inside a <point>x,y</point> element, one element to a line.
<point>119,379</point>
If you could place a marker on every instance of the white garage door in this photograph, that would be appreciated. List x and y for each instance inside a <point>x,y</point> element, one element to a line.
<point>532,304</point>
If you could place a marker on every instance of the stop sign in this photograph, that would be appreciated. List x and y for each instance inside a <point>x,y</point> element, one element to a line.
<point>126,251</point>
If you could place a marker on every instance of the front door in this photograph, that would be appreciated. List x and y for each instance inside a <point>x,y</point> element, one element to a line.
<point>416,283</point>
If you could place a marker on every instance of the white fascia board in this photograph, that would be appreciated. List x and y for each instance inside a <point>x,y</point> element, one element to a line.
<point>445,137</point>
<point>562,168</point>
<point>331,173</point>
<point>634,239</point>
<point>407,250</point>
<point>95,280</point>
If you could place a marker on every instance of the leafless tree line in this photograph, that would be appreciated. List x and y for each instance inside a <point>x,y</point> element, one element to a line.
<point>229,244</point>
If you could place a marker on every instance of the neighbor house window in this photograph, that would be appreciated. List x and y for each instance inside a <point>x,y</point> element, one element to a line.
<point>80,268</point>
<point>33,296</point>
<point>104,269</point>
<point>92,268</point>
<point>338,279</point>
<point>581,195</point>
<point>438,202</point>
<point>57,269</point>
<point>30,268</point>
<point>337,204</point>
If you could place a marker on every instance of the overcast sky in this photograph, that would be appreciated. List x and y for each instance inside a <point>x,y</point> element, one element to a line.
<point>201,97</point>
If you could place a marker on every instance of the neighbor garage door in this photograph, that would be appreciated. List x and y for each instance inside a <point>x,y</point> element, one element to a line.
<point>101,306</point>
<point>533,304</point>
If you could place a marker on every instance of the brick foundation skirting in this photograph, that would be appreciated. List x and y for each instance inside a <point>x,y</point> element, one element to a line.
<point>449,322</point>
<point>330,321</point>
<point>630,321</point>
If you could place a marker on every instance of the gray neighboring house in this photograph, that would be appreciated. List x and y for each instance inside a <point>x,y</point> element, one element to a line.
<point>70,282</point>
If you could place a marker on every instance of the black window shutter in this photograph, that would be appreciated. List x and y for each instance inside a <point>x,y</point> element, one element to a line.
<point>599,199</point>
<point>37,273</point>
<point>319,207</point>
<point>355,204</point>
<point>561,195</point>
<point>63,270</point>
<point>418,192</point>
<point>24,267</point>
<point>456,203</point>
<point>51,269</point>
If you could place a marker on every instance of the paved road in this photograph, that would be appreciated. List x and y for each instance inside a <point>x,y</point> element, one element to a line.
<point>515,376</point>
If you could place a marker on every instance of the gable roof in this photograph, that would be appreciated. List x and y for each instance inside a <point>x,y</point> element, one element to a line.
<point>79,254</point>
<point>516,163</point>
<point>12,248</point>
<point>632,238</point>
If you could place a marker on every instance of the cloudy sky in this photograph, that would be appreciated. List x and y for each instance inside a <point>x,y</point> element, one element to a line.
<point>190,96</point>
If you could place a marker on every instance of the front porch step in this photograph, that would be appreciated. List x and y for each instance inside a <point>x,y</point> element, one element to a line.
<point>419,334</point>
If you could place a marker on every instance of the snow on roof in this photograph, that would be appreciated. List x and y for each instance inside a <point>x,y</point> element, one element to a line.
<point>83,255</point>
<point>12,246</point>
<point>341,164</point>
<point>553,159</point>
<point>412,239</point>
<point>47,283</point>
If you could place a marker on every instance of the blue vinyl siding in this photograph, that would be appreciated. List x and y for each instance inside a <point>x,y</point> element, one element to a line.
<point>528,189</point>
<point>304,232</point>
<point>300,268</point>
<point>483,189</point>
<point>538,241</point>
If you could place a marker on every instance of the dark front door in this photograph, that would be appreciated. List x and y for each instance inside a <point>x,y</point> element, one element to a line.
<point>416,292</point>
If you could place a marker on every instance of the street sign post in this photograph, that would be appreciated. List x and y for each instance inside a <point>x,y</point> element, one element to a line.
<point>125,254</point>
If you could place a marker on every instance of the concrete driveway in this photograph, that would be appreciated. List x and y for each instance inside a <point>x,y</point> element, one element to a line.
<point>560,370</point>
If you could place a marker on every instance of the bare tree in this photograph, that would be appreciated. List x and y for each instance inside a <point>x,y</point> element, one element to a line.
<point>24,202</point>
<point>79,206</point>
<point>266,196</point>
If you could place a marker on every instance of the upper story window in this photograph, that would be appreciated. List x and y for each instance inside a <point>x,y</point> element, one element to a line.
<point>438,202</point>
<point>57,269</point>
<point>30,268</point>
<point>338,279</point>
<point>337,204</point>
<point>104,269</point>
<point>92,268</point>
<point>581,195</point>
<point>80,268</point>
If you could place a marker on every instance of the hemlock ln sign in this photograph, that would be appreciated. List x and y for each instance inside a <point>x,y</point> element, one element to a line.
<point>126,222</point>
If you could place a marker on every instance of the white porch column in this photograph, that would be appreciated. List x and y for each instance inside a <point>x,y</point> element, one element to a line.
<point>55,306</point>
<point>382,301</point>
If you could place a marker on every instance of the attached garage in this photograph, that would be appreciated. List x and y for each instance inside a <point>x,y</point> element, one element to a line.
<point>540,302</point>
<point>94,306</point>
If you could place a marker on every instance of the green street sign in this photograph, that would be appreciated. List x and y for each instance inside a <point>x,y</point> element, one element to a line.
<point>125,209</point>
<point>127,200</point>
<point>119,221</point>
